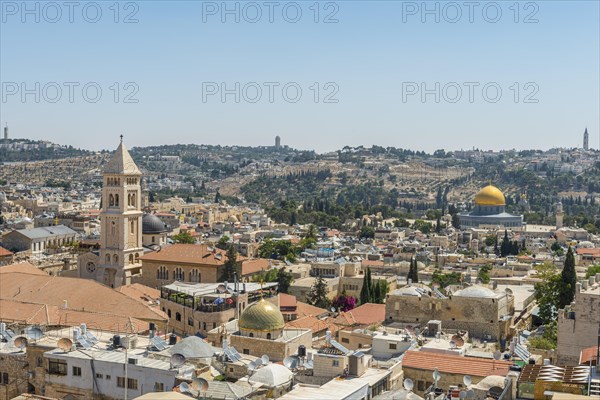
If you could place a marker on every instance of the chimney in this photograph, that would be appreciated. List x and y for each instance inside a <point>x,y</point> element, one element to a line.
<point>83,328</point>
<point>328,337</point>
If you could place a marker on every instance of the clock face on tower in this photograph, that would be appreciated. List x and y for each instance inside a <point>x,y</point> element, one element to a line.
<point>91,267</point>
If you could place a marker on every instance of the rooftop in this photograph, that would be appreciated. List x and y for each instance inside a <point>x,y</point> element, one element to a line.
<point>189,254</point>
<point>452,364</point>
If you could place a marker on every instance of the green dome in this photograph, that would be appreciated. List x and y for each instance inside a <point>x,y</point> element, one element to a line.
<point>261,316</point>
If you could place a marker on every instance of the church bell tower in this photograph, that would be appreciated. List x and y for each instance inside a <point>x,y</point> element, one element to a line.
<point>121,220</point>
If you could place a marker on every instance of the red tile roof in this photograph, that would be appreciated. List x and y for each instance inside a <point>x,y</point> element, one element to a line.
<point>589,252</point>
<point>22,267</point>
<point>4,252</point>
<point>451,364</point>
<point>588,355</point>
<point>366,314</point>
<point>255,265</point>
<point>190,254</point>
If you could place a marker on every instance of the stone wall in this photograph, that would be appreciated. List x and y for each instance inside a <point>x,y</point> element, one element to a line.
<point>13,364</point>
<point>480,316</point>
<point>277,350</point>
<point>208,273</point>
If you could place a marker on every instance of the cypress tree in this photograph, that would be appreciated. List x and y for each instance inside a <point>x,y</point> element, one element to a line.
<point>415,271</point>
<point>376,293</point>
<point>364,292</point>
<point>568,280</point>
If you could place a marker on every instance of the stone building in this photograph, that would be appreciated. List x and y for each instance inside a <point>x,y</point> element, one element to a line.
<point>484,313</point>
<point>154,231</point>
<point>38,240</point>
<point>579,323</point>
<point>261,331</point>
<point>200,307</point>
<point>489,212</point>
<point>118,259</point>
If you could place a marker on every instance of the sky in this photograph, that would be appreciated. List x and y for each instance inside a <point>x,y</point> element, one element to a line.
<point>322,75</point>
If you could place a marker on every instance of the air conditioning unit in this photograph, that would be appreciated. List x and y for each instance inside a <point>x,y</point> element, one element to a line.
<point>132,360</point>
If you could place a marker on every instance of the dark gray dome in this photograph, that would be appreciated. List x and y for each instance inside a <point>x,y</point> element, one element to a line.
<point>152,224</point>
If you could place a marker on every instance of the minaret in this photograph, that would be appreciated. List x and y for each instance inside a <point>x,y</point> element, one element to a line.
<point>121,220</point>
<point>559,214</point>
<point>586,140</point>
<point>6,132</point>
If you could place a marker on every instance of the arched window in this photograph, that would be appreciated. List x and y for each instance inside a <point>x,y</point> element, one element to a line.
<point>137,258</point>
<point>116,200</point>
<point>131,259</point>
<point>163,273</point>
<point>107,259</point>
<point>115,259</point>
<point>194,276</point>
<point>132,227</point>
<point>178,316</point>
<point>169,313</point>
<point>178,274</point>
<point>268,336</point>
<point>133,202</point>
<point>111,200</point>
<point>113,228</point>
<point>251,334</point>
<point>152,239</point>
<point>128,199</point>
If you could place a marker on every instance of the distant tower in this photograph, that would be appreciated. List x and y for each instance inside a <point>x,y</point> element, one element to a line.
<point>277,142</point>
<point>6,132</point>
<point>586,140</point>
<point>559,215</point>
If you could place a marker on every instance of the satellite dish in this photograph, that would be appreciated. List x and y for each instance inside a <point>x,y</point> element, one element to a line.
<point>20,342</point>
<point>462,394</point>
<point>34,333</point>
<point>497,355</point>
<point>332,309</point>
<point>221,288</point>
<point>470,394</point>
<point>200,384</point>
<point>177,360</point>
<point>265,359</point>
<point>258,362</point>
<point>184,387</point>
<point>436,375</point>
<point>458,340</point>
<point>251,366</point>
<point>467,380</point>
<point>288,362</point>
<point>452,344</point>
<point>65,344</point>
<point>409,384</point>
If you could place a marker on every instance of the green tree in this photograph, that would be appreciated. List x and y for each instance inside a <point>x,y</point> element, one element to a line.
<point>284,280</point>
<point>367,232</point>
<point>568,280</point>
<point>184,237</point>
<point>231,266</point>
<point>484,273</point>
<point>592,271</point>
<point>423,226</point>
<point>365,294</point>
<point>223,242</point>
<point>318,294</point>
<point>547,292</point>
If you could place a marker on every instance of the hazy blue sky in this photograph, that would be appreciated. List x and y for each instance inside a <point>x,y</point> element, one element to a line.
<point>375,61</point>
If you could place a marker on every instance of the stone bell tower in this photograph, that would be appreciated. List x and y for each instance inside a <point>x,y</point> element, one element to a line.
<point>121,220</point>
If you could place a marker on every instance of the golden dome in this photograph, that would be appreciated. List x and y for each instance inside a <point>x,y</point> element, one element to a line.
<point>490,196</point>
<point>261,316</point>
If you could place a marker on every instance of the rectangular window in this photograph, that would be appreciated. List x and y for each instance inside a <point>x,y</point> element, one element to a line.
<point>99,376</point>
<point>132,383</point>
<point>121,381</point>
<point>392,346</point>
<point>76,371</point>
<point>335,363</point>
<point>57,367</point>
<point>159,387</point>
<point>107,377</point>
<point>420,386</point>
<point>4,379</point>
<point>345,340</point>
<point>246,351</point>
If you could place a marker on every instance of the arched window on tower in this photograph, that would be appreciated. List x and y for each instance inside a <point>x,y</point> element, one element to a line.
<point>115,259</point>
<point>111,200</point>
<point>107,259</point>
<point>116,200</point>
<point>137,258</point>
<point>132,227</point>
<point>113,228</point>
<point>131,259</point>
